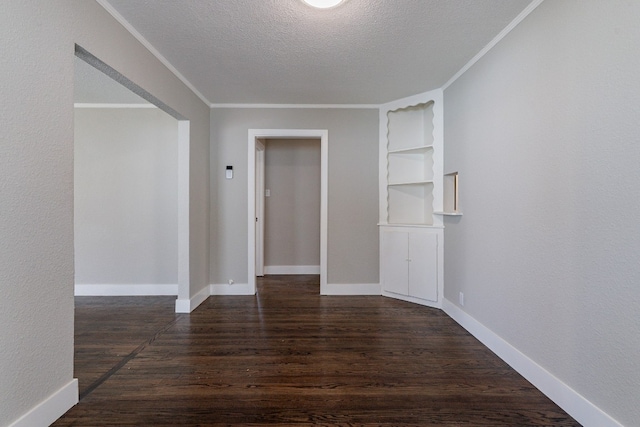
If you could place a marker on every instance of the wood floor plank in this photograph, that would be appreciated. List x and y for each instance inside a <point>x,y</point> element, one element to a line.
<point>291,357</point>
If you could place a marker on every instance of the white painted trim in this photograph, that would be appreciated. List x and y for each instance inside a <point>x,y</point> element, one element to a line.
<point>118,290</point>
<point>104,105</point>
<point>291,269</point>
<point>324,209</point>
<point>260,206</point>
<point>502,34</point>
<point>50,409</point>
<point>251,210</point>
<point>184,199</point>
<point>351,289</point>
<point>187,305</point>
<point>235,289</point>
<point>433,95</point>
<point>585,412</point>
<point>131,29</point>
<point>300,106</point>
<point>255,134</point>
<point>414,300</point>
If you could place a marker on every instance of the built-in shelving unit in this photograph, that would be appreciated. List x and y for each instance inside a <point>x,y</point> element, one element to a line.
<point>410,165</point>
<point>411,183</point>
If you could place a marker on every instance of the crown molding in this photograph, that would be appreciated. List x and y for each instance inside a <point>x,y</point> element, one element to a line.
<point>113,12</point>
<point>109,105</point>
<point>309,106</point>
<point>502,34</point>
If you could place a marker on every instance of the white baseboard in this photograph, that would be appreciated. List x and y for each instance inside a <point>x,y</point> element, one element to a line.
<point>407,298</point>
<point>107,290</point>
<point>188,305</point>
<point>291,269</point>
<point>235,289</point>
<point>351,289</point>
<point>50,409</point>
<point>585,412</point>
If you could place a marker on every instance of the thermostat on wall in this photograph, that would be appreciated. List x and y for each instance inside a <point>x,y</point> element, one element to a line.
<point>229,172</point>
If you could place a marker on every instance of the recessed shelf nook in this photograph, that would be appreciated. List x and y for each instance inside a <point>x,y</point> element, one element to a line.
<point>451,202</point>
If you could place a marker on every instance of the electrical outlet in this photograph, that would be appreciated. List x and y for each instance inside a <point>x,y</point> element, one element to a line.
<point>231,281</point>
<point>461,299</point>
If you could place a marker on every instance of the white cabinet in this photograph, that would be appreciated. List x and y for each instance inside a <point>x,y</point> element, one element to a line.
<point>411,192</point>
<point>409,260</point>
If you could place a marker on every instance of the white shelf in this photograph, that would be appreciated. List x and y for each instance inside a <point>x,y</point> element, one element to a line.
<point>448,213</point>
<point>406,225</point>
<point>395,184</point>
<point>412,150</point>
<point>410,127</point>
<point>410,165</point>
<point>414,165</point>
<point>410,204</point>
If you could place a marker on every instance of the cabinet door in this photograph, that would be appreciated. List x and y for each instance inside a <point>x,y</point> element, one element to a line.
<point>395,253</point>
<point>423,266</point>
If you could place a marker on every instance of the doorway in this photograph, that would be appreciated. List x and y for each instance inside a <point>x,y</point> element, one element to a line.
<point>102,85</point>
<point>256,187</point>
<point>291,207</point>
<point>131,217</point>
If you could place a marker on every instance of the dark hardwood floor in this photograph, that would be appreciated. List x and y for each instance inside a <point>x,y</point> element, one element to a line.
<point>291,357</point>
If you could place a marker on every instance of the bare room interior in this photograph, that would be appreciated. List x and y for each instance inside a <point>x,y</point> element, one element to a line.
<point>357,212</point>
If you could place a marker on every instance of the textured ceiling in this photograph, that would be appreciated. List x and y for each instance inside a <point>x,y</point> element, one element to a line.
<point>283,51</point>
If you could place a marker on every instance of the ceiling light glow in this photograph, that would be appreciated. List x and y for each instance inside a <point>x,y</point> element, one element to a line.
<point>323,4</point>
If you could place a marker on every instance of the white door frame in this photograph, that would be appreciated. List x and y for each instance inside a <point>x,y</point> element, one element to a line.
<point>254,135</point>
<point>259,224</point>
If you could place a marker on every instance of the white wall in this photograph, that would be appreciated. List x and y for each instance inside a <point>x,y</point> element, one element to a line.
<point>126,196</point>
<point>544,131</point>
<point>292,211</point>
<point>353,188</point>
<point>36,182</point>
